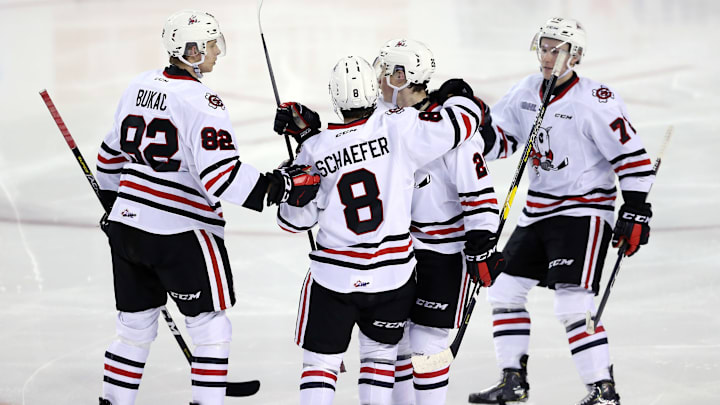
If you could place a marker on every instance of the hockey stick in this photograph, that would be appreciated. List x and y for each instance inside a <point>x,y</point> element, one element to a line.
<point>428,363</point>
<point>277,100</point>
<point>589,321</point>
<point>234,389</point>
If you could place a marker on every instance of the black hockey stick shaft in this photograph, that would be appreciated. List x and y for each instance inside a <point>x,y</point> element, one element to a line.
<point>590,322</point>
<point>234,389</point>
<point>550,86</point>
<point>277,102</point>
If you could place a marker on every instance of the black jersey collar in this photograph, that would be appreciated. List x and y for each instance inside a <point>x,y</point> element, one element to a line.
<point>562,89</point>
<point>174,72</point>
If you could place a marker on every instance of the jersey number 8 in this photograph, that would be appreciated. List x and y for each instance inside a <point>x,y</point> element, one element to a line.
<point>359,193</point>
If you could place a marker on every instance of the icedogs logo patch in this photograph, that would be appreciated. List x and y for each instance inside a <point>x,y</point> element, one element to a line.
<point>214,101</point>
<point>603,94</point>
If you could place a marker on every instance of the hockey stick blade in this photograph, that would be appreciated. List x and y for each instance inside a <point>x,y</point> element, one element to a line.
<point>242,389</point>
<point>433,362</point>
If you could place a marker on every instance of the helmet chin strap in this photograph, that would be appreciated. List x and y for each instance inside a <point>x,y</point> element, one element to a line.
<point>396,89</point>
<point>195,66</point>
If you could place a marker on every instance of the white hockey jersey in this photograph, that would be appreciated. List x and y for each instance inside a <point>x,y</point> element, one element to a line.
<point>171,155</point>
<point>585,140</point>
<point>363,205</point>
<point>453,194</point>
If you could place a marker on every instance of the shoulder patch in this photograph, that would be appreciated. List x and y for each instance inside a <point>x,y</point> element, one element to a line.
<point>394,111</point>
<point>214,101</point>
<point>603,94</point>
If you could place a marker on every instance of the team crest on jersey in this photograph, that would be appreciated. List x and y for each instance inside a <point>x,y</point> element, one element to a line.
<point>603,94</point>
<point>542,156</point>
<point>214,101</point>
<point>396,110</point>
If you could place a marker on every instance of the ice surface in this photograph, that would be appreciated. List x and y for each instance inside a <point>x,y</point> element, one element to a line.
<point>56,299</point>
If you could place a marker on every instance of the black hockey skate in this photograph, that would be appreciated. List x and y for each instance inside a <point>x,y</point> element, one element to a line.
<point>601,393</point>
<point>104,401</point>
<point>512,387</point>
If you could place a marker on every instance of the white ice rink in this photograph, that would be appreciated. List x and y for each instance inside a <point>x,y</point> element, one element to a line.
<point>56,299</point>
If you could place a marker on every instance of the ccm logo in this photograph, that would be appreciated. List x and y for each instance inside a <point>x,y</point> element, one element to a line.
<point>185,297</point>
<point>431,305</point>
<point>560,262</point>
<point>636,218</point>
<point>389,325</point>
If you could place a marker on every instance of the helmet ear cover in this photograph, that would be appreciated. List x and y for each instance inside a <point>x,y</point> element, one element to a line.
<point>353,85</point>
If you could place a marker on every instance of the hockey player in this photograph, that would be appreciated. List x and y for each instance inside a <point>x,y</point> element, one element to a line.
<point>454,208</point>
<point>169,159</point>
<point>564,230</point>
<point>362,270</point>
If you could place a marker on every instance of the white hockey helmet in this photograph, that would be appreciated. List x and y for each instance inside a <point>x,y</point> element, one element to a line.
<point>353,84</point>
<point>566,30</point>
<point>413,56</point>
<point>188,28</point>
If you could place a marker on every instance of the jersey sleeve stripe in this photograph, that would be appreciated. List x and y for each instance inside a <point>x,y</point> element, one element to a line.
<point>109,171</point>
<point>109,150</point>
<point>447,222</point>
<point>455,125</point>
<point>103,160</point>
<point>227,182</point>
<point>645,162</point>
<point>216,166</point>
<point>215,179</point>
<point>638,152</point>
<point>481,202</point>
<point>637,174</point>
<point>482,210</point>
<point>468,126</point>
<point>440,231</point>
<point>471,113</point>
<point>486,190</point>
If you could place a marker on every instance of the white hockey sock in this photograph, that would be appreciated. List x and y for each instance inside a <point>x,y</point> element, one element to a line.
<point>317,386</point>
<point>431,387</point>
<point>318,379</point>
<point>124,365</point>
<point>209,373</point>
<point>377,371</point>
<point>376,381</point>
<point>590,353</point>
<point>511,336</point>
<point>403,389</point>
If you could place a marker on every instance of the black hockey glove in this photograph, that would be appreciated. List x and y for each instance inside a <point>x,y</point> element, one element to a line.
<point>296,120</point>
<point>452,87</point>
<point>293,185</point>
<point>632,226</point>
<point>484,262</point>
